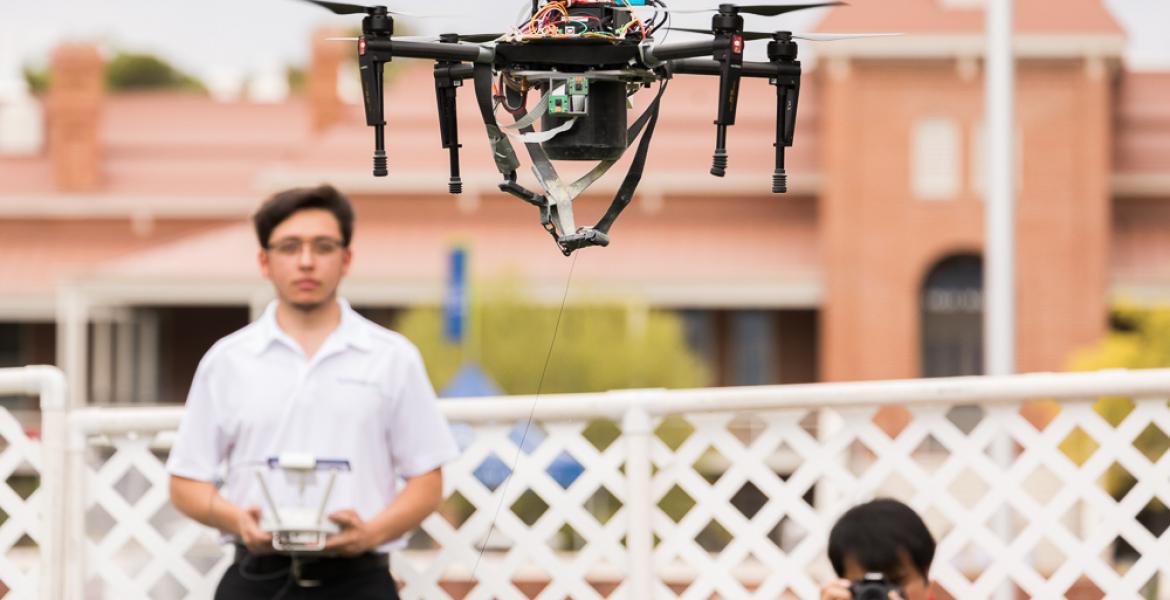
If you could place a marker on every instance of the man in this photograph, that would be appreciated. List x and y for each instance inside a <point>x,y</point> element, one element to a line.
<point>882,536</point>
<point>311,376</point>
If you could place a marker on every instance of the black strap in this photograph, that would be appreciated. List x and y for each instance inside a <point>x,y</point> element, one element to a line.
<point>634,176</point>
<point>505,157</point>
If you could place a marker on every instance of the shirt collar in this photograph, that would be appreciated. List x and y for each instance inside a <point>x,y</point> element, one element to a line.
<point>350,330</point>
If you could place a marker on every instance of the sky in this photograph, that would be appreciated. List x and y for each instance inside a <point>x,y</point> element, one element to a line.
<point>235,38</point>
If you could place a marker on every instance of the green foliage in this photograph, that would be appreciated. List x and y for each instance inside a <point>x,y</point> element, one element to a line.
<point>131,71</point>
<point>598,347</point>
<point>296,79</point>
<point>38,79</point>
<point>1144,343</point>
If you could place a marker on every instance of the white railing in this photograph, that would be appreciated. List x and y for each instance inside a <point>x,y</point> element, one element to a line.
<point>727,492</point>
<point>39,516</point>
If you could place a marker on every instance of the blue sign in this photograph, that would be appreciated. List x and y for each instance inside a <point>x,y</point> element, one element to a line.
<point>455,303</point>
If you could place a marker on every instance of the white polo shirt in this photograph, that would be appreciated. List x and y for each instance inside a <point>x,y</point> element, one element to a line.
<point>364,397</point>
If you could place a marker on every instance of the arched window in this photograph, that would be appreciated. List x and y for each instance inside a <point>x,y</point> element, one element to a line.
<point>952,317</point>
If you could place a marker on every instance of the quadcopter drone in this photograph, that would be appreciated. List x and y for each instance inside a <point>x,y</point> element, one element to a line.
<point>583,59</point>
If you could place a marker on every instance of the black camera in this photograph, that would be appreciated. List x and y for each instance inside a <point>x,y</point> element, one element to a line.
<point>874,586</point>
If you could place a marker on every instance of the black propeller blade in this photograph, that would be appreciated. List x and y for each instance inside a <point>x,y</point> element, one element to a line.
<point>473,38</point>
<point>772,10</point>
<point>342,8</point>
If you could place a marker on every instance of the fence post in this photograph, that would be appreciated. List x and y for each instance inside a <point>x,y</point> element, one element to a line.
<point>49,383</point>
<point>640,534</point>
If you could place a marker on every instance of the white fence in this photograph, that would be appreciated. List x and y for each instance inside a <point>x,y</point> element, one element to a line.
<point>691,494</point>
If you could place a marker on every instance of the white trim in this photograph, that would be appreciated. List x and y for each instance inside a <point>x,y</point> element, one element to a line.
<point>1141,185</point>
<point>76,206</point>
<point>31,309</point>
<point>804,292</point>
<point>934,45</point>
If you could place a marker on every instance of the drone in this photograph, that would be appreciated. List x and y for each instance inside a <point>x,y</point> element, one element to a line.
<point>583,60</point>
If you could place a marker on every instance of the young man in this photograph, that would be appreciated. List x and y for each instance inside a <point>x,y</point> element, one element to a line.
<point>311,376</point>
<point>882,536</point>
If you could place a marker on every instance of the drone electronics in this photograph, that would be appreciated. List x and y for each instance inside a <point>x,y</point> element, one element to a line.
<point>583,59</point>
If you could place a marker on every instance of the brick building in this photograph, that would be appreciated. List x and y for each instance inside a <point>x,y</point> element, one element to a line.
<point>125,229</point>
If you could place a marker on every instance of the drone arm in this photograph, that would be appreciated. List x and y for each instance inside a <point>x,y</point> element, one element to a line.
<point>656,55</point>
<point>700,66</point>
<point>431,50</point>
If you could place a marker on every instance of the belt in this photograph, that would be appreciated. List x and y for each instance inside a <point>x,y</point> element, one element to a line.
<point>309,569</point>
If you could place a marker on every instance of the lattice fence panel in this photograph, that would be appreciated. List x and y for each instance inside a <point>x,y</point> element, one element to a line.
<point>742,506</point>
<point>21,509</point>
<point>137,544</point>
<point>547,518</point>
<point>745,501</point>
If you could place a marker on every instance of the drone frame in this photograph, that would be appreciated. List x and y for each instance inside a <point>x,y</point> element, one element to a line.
<point>643,61</point>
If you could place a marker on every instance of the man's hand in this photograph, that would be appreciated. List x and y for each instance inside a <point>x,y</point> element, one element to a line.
<point>356,536</point>
<point>257,540</point>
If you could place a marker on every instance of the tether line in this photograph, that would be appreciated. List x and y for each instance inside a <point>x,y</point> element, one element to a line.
<point>528,425</point>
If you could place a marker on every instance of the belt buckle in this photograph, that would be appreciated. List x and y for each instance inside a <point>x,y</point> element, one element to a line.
<point>297,573</point>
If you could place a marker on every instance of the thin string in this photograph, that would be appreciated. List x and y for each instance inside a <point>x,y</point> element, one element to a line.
<point>528,425</point>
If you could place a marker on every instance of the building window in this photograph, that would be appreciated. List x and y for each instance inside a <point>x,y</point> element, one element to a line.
<point>952,318</point>
<point>935,160</point>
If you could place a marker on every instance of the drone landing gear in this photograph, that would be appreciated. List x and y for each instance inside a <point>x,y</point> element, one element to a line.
<point>782,50</point>
<point>726,25</point>
<point>446,84</point>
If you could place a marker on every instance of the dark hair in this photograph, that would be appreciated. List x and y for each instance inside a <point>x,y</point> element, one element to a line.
<point>283,204</point>
<point>875,533</point>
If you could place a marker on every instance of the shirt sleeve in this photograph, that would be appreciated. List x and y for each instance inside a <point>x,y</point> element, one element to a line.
<point>419,437</point>
<point>200,445</point>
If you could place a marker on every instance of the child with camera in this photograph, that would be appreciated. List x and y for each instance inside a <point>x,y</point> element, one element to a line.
<point>881,550</point>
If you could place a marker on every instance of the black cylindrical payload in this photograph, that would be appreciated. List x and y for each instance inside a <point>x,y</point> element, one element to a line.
<point>599,134</point>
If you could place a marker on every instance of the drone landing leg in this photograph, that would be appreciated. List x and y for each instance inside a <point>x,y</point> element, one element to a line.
<point>380,166</point>
<point>719,159</point>
<point>445,88</point>
<point>371,71</point>
<point>782,52</point>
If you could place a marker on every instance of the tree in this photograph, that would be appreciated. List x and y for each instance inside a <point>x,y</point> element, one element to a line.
<point>132,71</point>
<point>598,346</point>
<point>37,78</point>
<point>1140,340</point>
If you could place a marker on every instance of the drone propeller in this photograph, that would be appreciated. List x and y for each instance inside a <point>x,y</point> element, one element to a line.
<point>342,8</point>
<point>766,10</point>
<point>474,38</point>
<point>808,37</point>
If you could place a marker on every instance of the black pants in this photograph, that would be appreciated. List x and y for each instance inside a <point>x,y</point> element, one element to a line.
<point>270,578</point>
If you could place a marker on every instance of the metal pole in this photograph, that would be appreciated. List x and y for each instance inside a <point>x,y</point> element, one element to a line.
<point>999,311</point>
<point>999,307</point>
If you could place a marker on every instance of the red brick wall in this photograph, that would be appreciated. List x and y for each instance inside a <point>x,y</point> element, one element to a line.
<point>879,241</point>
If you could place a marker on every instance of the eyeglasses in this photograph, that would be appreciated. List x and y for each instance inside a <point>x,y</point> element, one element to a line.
<point>294,247</point>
